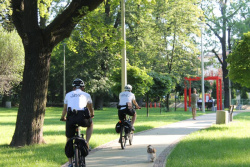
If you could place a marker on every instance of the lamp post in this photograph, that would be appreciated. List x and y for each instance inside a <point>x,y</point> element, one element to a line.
<point>202,70</point>
<point>123,52</point>
<point>64,84</point>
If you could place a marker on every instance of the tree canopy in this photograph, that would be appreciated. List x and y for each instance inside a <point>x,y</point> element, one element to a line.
<point>239,62</point>
<point>137,77</point>
<point>11,60</point>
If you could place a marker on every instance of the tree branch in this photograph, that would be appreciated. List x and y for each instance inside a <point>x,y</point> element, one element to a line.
<point>64,23</point>
<point>215,32</point>
<point>217,56</point>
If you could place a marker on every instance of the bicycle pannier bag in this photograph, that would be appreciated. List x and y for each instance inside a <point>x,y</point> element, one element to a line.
<point>127,126</point>
<point>118,127</point>
<point>69,151</point>
<point>83,146</point>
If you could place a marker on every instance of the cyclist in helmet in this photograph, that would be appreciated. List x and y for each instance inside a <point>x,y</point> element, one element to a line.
<point>128,97</point>
<point>79,110</point>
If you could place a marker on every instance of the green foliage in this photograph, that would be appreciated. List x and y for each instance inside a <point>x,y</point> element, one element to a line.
<point>44,6</point>
<point>96,43</point>
<point>243,93</point>
<point>5,15</point>
<point>11,60</point>
<point>138,78</point>
<point>239,62</point>
<point>176,30</point>
<point>162,85</point>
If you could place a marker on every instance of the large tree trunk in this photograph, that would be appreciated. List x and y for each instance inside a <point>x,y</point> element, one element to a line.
<point>30,118</point>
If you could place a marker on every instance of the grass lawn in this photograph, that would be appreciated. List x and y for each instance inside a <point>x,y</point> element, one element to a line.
<point>217,146</point>
<point>52,153</point>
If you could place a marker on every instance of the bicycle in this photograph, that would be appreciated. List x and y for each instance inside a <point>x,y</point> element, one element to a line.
<point>126,133</point>
<point>78,158</point>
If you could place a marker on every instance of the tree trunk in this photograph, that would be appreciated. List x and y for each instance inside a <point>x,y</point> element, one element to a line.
<point>30,118</point>
<point>225,78</point>
<point>224,63</point>
<point>167,102</point>
<point>98,102</point>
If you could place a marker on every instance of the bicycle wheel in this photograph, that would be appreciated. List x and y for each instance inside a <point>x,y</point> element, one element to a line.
<point>81,159</point>
<point>123,138</point>
<point>76,157</point>
<point>131,135</point>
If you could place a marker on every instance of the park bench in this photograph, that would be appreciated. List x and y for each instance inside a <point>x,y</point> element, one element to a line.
<point>207,104</point>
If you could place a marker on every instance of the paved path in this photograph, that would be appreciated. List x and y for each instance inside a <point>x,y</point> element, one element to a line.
<point>163,139</point>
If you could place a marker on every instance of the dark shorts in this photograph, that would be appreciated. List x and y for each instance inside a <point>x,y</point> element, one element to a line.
<point>122,113</point>
<point>79,119</point>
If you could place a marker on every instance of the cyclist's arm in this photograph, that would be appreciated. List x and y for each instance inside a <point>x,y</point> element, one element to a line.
<point>90,107</point>
<point>135,103</point>
<point>64,112</point>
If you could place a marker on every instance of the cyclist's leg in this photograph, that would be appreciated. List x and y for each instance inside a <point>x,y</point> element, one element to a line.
<point>133,120</point>
<point>132,113</point>
<point>89,132</point>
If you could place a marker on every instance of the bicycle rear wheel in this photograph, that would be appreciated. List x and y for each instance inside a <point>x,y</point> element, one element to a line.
<point>123,137</point>
<point>76,157</point>
<point>81,160</point>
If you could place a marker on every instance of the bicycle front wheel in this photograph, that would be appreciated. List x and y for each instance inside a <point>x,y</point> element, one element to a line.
<point>123,137</point>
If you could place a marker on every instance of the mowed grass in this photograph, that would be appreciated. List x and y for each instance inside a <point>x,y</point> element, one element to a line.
<point>217,146</point>
<point>52,153</point>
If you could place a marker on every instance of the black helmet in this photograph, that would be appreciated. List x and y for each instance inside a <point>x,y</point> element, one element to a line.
<point>78,82</point>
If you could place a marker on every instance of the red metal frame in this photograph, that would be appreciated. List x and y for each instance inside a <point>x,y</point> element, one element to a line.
<point>218,90</point>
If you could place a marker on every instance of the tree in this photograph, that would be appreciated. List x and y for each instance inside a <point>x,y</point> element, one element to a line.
<point>177,28</point>
<point>239,62</point>
<point>139,79</point>
<point>162,85</point>
<point>39,41</point>
<point>220,15</point>
<point>11,61</point>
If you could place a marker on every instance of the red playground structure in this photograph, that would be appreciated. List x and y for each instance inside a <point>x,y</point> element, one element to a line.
<point>218,90</point>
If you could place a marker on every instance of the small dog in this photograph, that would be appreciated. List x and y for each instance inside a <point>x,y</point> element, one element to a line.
<point>151,153</point>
